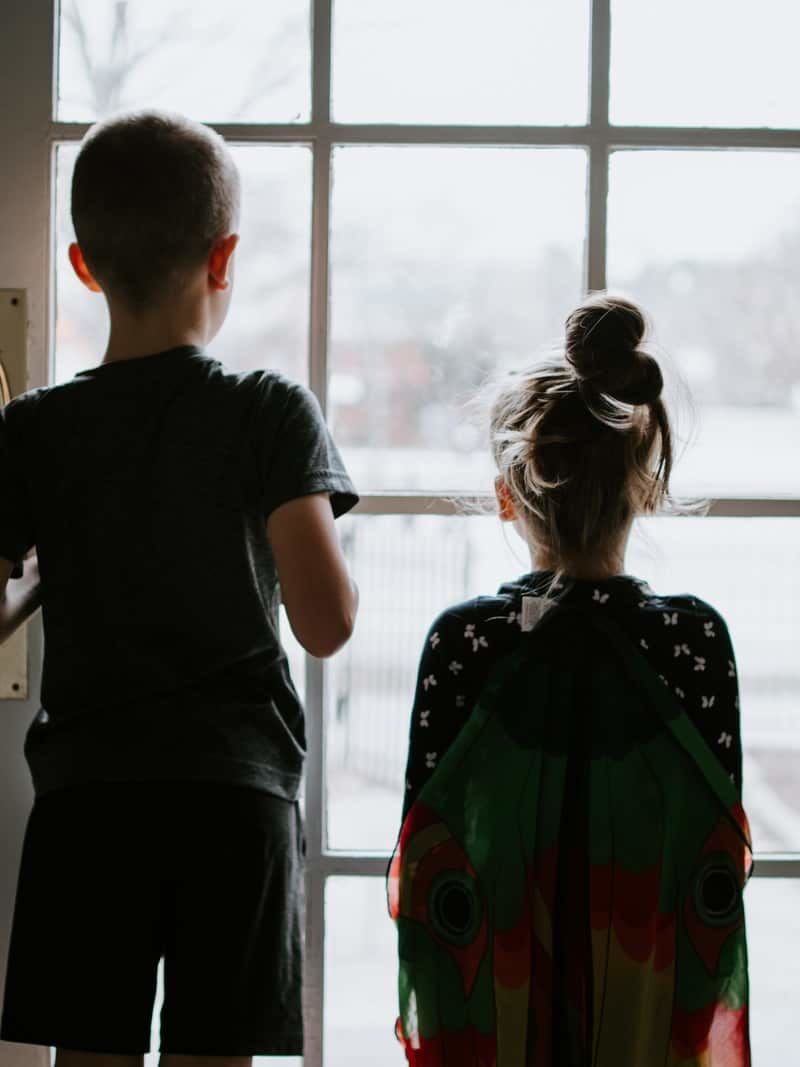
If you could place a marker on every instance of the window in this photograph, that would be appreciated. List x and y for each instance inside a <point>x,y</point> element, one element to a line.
<point>429,187</point>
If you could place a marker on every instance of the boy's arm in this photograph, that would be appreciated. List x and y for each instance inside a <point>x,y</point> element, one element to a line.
<point>318,593</point>
<point>20,598</point>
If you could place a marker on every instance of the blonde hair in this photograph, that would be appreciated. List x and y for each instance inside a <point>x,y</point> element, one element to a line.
<point>583,441</point>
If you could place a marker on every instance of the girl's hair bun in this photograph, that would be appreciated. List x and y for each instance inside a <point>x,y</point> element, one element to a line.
<point>602,347</point>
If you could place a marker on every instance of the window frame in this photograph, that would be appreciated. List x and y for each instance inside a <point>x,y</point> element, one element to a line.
<point>31,128</point>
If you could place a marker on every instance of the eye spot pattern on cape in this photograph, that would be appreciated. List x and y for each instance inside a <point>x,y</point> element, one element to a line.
<point>514,617</point>
<point>429,681</point>
<point>644,644</point>
<point>708,628</point>
<point>424,717</point>
<point>600,598</point>
<point>454,666</point>
<point>670,619</point>
<point>718,896</point>
<point>435,639</point>
<point>679,692</point>
<point>731,669</point>
<point>699,663</point>
<point>708,702</point>
<point>469,630</point>
<point>430,760</point>
<point>461,700</point>
<point>725,739</point>
<point>682,650</point>
<point>454,908</point>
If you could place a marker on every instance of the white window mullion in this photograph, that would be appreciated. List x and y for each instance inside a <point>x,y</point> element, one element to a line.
<point>374,864</point>
<point>314,986</point>
<point>597,192</point>
<point>320,120</point>
<point>320,233</point>
<point>596,238</point>
<point>594,135</point>
<point>467,504</point>
<point>314,965</point>
<point>776,864</point>
<point>600,63</point>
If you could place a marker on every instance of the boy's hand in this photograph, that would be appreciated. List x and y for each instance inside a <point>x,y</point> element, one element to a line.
<point>320,598</point>
<point>19,599</point>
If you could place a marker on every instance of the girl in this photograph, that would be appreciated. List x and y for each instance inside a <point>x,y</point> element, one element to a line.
<point>567,883</point>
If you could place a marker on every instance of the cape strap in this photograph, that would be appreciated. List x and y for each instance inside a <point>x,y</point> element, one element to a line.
<point>670,710</point>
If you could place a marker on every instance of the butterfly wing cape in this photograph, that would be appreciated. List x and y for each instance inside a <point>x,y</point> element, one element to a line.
<point>568,885</point>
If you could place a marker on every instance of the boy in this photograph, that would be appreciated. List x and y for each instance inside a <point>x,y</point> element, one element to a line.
<point>167,501</point>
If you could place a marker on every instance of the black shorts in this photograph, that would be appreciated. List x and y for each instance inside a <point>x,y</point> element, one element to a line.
<point>115,877</point>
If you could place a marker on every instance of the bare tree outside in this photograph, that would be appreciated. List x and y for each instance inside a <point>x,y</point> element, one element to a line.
<point>131,54</point>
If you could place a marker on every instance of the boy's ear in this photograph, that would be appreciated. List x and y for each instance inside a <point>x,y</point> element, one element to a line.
<point>505,501</point>
<point>219,259</point>
<point>81,270</point>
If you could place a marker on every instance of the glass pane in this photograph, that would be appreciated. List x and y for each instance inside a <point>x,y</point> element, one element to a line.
<point>361,971</point>
<point>411,567</point>
<point>461,61</point>
<point>448,264</point>
<point>244,61</point>
<point>360,975</point>
<point>708,242</point>
<point>267,325</point>
<point>715,63</point>
<point>408,568</point>
<point>773,934</point>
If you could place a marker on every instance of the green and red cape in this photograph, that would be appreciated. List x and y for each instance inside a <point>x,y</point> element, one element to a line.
<point>568,885</point>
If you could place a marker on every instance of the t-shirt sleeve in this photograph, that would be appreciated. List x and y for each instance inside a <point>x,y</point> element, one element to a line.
<point>719,713</point>
<point>697,659</point>
<point>16,526</point>
<point>300,457</point>
<point>439,710</point>
<point>462,645</point>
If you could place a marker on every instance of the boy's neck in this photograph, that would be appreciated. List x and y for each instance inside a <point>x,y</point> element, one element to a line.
<point>154,330</point>
<point>133,347</point>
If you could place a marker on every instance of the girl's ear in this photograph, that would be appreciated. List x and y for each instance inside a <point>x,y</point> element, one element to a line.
<point>81,270</point>
<point>505,501</point>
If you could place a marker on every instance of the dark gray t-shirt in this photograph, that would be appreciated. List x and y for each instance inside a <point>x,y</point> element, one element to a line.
<point>145,486</point>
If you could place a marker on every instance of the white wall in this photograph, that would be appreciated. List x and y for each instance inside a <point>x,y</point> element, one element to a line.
<point>26,34</point>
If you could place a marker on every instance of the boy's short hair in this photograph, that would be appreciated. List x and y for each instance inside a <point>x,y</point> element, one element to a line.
<point>151,193</point>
